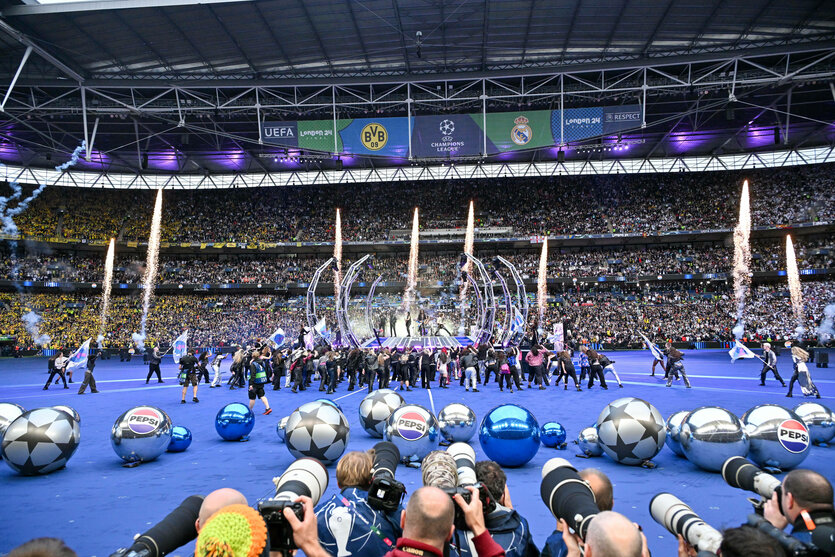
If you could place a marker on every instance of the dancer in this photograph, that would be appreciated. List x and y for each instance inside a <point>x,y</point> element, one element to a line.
<point>422,319</point>
<point>769,363</point>
<point>393,321</point>
<point>515,366</point>
<point>425,366</point>
<point>188,375</point>
<point>372,366</point>
<point>535,360</point>
<point>675,365</point>
<point>566,370</point>
<point>279,368</point>
<point>153,365</point>
<point>88,374</point>
<point>408,323</point>
<point>216,378</point>
<point>469,364</point>
<point>595,369</point>
<point>236,368</point>
<point>202,366</point>
<point>383,359</point>
<point>61,362</point>
<point>354,365</point>
<point>443,368</point>
<point>609,367</point>
<point>405,372</point>
<point>655,362</point>
<point>585,368</point>
<point>801,373</point>
<point>257,380</point>
<point>504,371</point>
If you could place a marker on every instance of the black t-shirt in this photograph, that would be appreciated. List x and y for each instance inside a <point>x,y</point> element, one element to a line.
<point>188,362</point>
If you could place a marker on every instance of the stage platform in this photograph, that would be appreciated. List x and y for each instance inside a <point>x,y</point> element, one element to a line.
<point>406,343</point>
<point>96,505</point>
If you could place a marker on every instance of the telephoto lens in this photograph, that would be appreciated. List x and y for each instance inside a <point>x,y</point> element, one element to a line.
<point>793,546</point>
<point>679,519</point>
<point>306,476</point>
<point>567,496</point>
<point>742,474</point>
<point>464,457</point>
<point>173,531</point>
<point>385,493</point>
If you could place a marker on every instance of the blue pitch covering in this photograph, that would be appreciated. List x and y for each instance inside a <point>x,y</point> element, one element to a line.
<point>96,505</point>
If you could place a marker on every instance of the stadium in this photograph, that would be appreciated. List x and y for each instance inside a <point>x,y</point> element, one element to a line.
<point>311,202</point>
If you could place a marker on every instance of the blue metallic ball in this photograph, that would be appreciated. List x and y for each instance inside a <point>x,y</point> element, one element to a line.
<point>180,439</point>
<point>234,421</point>
<point>552,434</point>
<point>509,435</point>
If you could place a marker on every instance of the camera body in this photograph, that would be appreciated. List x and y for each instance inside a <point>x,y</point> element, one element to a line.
<point>280,531</point>
<point>385,493</point>
<point>487,503</point>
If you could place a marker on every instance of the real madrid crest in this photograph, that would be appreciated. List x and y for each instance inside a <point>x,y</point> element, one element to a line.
<point>521,133</point>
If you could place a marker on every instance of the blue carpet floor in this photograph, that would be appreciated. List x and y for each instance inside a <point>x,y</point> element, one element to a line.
<point>96,505</point>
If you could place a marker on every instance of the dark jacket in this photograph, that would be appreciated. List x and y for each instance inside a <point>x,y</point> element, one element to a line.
<point>188,362</point>
<point>337,522</point>
<point>511,531</point>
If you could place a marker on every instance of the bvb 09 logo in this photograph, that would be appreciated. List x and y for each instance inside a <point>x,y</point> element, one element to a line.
<point>374,136</point>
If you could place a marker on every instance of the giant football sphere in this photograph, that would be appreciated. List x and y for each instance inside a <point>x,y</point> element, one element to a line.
<point>631,431</point>
<point>40,441</point>
<point>317,430</point>
<point>376,408</point>
<point>509,435</point>
<point>457,423</point>
<point>673,429</point>
<point>69,410</point>
<point>710,435</point>
<point>779,438</point>
<point>414,431</point>
<point>141,434</point>
<point>818,418</point>
<point>9,412</point>
<point>587,442</point>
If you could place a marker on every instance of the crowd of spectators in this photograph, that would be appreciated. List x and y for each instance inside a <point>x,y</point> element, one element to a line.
<point>640,204</point>
<point>630,261</point>
<point>685,311</point>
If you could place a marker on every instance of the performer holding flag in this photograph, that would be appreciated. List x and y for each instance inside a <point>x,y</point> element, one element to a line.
<point>657,354</point>
<point>769,363</point>
<point>84,357</point>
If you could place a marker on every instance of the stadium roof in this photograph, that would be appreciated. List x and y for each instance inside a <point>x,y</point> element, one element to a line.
<point>197,77</point>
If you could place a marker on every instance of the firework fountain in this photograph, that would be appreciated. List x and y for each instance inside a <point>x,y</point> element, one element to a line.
<point>337,255</point>
<point>106,288</point>
<point>467,268</point>
<point>742,260</point>
<point>411,284</point>
<point>794,286</point>
<point>149,278</point>
<point>541,282</point>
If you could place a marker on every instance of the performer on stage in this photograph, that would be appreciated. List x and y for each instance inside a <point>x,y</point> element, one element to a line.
<point>504,371</point>
<point>153,366</point>
<point>443,368</point>
<point>566,369</point>
<point>202,366</point>
<point>609,367</point>
<point>801,373</point>
<point>88,374</point>
<point>188,375</point>
<point>408,323</point>
<point>595,369</point>
<point>372,366</point>
<point>61,362</point>
<point>216,361</point>
<point>393,321</point>
<point>279,368</point>
<point>585,367</point>
<point>675,365</point>
<point>236,369</point>
<point>515,366</point>
<point>535,360</point>
<point>422,319</point>
<point>769,363</point>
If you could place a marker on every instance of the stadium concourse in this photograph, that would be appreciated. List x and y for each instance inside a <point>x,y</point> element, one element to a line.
<point>221,220</point>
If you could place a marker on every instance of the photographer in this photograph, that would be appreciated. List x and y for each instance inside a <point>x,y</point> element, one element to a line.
<point>610,533</point>
<point>601,486</point>
<point>427,524</point>
<point>346,523</point>
<point>804,502</point>
<point>507,527</point>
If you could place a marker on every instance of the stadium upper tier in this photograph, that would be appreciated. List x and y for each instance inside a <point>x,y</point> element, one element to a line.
<point>619,204</point>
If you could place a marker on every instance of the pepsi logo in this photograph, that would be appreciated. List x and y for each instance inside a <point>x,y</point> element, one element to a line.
<point>411,426</point>
<point>793,435</point>
<point>143,420</point>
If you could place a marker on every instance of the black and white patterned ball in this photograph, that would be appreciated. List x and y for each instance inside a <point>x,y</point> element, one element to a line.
<point>376,408</point>
<point>631,431</point>
<point>40,441</point>
<point>317,430</point>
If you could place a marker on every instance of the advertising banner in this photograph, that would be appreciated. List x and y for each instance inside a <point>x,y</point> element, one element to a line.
<point>388,137</point>
<point>514,131</point>
<point>454,135</point>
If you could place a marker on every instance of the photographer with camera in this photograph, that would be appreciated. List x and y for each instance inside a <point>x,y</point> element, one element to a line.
<point>601,488</point>
<point>804,502</point>
<point>347,523</point>
<point>508,528</point>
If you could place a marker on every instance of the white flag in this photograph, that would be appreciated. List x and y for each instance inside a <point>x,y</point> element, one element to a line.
<point>180,346</point>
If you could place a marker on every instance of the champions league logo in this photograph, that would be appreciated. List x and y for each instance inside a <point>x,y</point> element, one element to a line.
<point>411,426</point>
<point>446,127</point>
<point>521,133</point>
<point>143,420</point>
<point>793,435</point>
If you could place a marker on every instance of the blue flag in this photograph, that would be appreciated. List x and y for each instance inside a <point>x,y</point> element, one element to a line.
<point>180,346</point>
<point>79,358</point>
<point>278,337</point>
<point>321,329</point>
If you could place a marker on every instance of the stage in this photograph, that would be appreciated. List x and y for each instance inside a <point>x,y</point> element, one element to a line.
<point>407,343</point>
<point>96,505</point>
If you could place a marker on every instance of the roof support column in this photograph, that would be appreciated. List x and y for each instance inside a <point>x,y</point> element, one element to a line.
<point>16,75</point>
